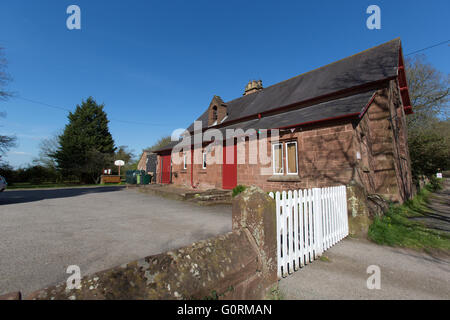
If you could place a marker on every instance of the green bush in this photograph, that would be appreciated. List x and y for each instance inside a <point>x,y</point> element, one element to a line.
<point>435,183</point>
<point>238,189</point>
<point>33,174</point>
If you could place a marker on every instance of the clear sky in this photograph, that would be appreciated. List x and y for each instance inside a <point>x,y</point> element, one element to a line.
<point>159,63</point>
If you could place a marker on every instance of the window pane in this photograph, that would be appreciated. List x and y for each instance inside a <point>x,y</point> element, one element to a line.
<point>292,157</point>
<point>278,158</point>
<point>204,160</point>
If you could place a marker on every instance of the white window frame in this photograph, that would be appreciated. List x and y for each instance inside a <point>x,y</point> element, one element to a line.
<point>184,161</point>
<point>273,159</point>
<point>287,157</point>
<point>204,160</point>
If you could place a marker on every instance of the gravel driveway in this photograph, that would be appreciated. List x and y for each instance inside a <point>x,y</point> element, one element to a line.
<point>44,231</point>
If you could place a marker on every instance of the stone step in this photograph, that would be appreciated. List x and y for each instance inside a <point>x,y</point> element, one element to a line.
<point>208,197</point>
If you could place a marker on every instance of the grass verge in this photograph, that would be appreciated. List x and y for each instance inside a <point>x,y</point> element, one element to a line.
<point>275,293</point>
<point>238,189</point>
<point>396,228</point>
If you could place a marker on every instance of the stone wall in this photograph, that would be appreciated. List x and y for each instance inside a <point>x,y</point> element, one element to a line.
<point>325,158</point>
<point>381,139</point>
<point>237,265</point>
<point>372,151</point>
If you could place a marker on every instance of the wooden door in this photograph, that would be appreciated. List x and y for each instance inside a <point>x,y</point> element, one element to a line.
<point>229,167</point>
<point>165,169</point>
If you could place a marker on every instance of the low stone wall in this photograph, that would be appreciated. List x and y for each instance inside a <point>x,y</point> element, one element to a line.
<point>362,208</point>
<point>237,265</point>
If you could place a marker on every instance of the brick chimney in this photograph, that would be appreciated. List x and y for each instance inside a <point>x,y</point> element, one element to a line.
<point>253,86</point>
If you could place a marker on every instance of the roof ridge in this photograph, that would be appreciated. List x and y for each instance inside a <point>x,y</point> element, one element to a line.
<point>327,65</point>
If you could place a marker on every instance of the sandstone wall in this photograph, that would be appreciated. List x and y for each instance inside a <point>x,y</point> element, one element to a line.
<point>238,265</point>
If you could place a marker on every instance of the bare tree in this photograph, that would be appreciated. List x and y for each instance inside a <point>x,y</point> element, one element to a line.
<point>6,142</point>
<point>428,133</point>
<point>47,149</point>
<point>429,93</point>
<point>4,77</point>
<point>162,142</point>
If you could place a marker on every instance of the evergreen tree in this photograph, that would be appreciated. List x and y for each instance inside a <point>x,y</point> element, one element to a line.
<point>86,145</point>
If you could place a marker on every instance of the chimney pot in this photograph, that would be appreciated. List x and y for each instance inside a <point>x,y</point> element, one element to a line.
<point>253,86</point>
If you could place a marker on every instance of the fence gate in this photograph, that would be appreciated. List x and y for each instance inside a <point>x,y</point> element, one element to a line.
<point>308,223</point>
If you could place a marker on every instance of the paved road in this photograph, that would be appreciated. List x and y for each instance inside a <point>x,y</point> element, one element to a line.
<point>439,216</point>
<point>405,274</point>
<point>44,231</point>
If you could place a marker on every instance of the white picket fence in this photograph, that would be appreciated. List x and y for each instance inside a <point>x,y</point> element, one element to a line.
<point>308,223</point>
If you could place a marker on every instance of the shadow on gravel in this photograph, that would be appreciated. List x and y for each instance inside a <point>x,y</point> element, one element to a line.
<point>23,196</point>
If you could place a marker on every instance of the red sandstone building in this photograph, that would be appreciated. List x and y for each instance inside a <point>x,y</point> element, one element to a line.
<point>342,123</point>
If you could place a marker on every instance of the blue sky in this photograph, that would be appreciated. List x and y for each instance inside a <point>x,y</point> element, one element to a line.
<point>160,62</point>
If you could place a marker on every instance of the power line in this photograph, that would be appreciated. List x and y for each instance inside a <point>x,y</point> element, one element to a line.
<point>165,125</point>
<point>432,46</point>
<point>44,104</point>
<point>111,119</point>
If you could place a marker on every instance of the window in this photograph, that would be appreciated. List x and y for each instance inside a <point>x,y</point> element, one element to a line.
<point>278,167</point>
<point>185,161</point>
<point>214,115</point>
<point>204,160</point>
<point>285,153</point>
<point>291,157</point>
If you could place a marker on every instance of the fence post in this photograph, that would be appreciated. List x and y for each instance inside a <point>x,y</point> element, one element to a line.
<point>301,216</point>
<point>284,235</point>
<point>345,211</point>
<point>296,234</point>
<point>317,223</point>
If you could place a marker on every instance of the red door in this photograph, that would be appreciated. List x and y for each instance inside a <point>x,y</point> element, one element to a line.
<point>165,169</point>
<point>229,167</point>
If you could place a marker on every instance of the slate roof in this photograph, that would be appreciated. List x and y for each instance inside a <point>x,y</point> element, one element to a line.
<point>354,104</point>
<point>331,109</point>
<point>367,67</point>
